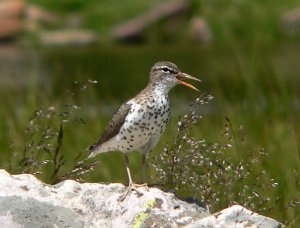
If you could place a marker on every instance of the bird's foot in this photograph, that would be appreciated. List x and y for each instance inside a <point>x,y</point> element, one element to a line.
<point>134,187</point>
<point>141,185</point>
<point>144,185</point>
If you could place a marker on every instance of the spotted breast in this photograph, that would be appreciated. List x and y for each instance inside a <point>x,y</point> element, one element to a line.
<point>145,122</point>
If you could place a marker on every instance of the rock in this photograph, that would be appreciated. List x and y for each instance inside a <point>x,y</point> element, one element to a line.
<point>133,29</point>
<point>11,8</point>
<point>68,37</point>
<point>9,27</point>
<point>27,202</point>
<point>11,17</point>
<point>290,22</point>
<point>16,15</point>
<point>236,216</point>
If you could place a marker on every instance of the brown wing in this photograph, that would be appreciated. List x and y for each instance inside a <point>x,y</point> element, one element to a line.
<point>113,126</point>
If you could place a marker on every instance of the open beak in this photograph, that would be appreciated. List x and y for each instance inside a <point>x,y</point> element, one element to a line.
<point>181,76</point>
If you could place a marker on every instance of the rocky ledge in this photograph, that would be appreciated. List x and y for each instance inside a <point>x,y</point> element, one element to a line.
<point>27,202</point>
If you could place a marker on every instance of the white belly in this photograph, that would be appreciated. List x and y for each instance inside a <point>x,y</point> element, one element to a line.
<point>143,126</point>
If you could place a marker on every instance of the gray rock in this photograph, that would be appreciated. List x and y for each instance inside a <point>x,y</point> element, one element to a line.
<point>27,202</point>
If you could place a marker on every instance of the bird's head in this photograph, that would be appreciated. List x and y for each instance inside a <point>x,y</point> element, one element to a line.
<point>168,74</point>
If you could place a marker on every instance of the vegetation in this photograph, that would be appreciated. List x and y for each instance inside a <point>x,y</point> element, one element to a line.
<point>242,146</point>
<point>205,170</point>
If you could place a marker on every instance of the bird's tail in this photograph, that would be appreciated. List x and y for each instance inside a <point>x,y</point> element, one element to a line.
<point>93,150</point>
<point>99,148</point>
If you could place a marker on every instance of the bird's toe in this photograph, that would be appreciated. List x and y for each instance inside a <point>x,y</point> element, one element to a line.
<point>132,187</point>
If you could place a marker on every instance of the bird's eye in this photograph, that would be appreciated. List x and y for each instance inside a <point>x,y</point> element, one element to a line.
<point>166,69</point>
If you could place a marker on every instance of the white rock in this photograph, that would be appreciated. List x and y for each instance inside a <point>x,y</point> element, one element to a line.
<point>27,202</point>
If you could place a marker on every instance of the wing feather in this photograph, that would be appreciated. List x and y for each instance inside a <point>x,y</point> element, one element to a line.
<point>113,126</point>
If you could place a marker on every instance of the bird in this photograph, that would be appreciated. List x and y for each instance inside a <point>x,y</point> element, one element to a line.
<point>140,121</point>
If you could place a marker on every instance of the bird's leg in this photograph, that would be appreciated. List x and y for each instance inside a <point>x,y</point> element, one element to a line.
<point>143,184</point>
<point>131,185</point>
<point>144,170</point>
<point>144,167</point>
<point>128,170</point>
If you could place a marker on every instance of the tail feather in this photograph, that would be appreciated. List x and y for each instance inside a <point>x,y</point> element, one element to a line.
<point>92,147</point>
<point>98,148</point>
<point>93,150</point>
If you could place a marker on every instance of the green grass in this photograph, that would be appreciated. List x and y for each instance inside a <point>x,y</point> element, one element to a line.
<point>250,68</point>
<point>231,21</point>
<point>260,100</point>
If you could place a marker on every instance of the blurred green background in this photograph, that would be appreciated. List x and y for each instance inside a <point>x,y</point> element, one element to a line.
<point>250,65</point>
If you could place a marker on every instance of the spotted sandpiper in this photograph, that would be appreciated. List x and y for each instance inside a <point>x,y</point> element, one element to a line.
<point>140,121</point>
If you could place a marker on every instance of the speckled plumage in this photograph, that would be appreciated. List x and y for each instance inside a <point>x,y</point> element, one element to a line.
<point>142,127</point>
<point>139,122</point>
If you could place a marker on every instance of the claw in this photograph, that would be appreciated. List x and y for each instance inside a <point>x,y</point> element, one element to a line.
<point>131,187</point>
<point>145,185</point>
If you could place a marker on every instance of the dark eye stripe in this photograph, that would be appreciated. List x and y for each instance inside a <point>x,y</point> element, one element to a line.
<point>165,69</point>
